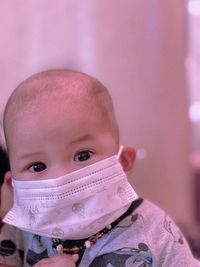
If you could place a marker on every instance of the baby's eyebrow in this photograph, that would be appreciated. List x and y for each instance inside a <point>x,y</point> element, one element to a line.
<point>29,155</point>
<point>81,139</point>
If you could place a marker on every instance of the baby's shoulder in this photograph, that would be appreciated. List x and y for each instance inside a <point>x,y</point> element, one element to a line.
<point>156,222</point>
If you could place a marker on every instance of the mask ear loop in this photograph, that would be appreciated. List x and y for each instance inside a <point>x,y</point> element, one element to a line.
<point>120,151</point>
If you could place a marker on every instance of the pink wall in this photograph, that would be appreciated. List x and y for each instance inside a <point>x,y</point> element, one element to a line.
<point>137,48</point>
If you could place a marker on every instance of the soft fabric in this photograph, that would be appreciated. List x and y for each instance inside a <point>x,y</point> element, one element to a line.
<point>147,237</point>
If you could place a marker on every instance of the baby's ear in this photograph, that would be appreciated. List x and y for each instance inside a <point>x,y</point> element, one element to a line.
<point>127,158</point>
<point>8,180</point>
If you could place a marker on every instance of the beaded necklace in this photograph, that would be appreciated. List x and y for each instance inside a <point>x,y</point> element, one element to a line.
<point>58,244</point>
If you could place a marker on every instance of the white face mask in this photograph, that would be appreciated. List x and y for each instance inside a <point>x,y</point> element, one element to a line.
<point>74,206</point>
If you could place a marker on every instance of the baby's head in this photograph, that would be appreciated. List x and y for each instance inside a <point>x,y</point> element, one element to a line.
<point>59,121</point>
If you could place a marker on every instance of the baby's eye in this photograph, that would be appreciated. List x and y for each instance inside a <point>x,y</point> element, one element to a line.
<point>83,155</point>
<point>37,167</point>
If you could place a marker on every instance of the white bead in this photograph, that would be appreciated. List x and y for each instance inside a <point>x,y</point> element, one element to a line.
<point>59,248</point>
<point>109,227</point>
<point>88,244</point>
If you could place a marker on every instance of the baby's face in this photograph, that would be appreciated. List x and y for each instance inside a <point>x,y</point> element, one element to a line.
<point>57,139</point>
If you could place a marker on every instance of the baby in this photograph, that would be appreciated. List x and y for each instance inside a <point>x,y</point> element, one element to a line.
<point>73,204</point>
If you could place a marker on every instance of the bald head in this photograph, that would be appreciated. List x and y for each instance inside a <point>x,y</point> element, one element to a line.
<point>49,88</point>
